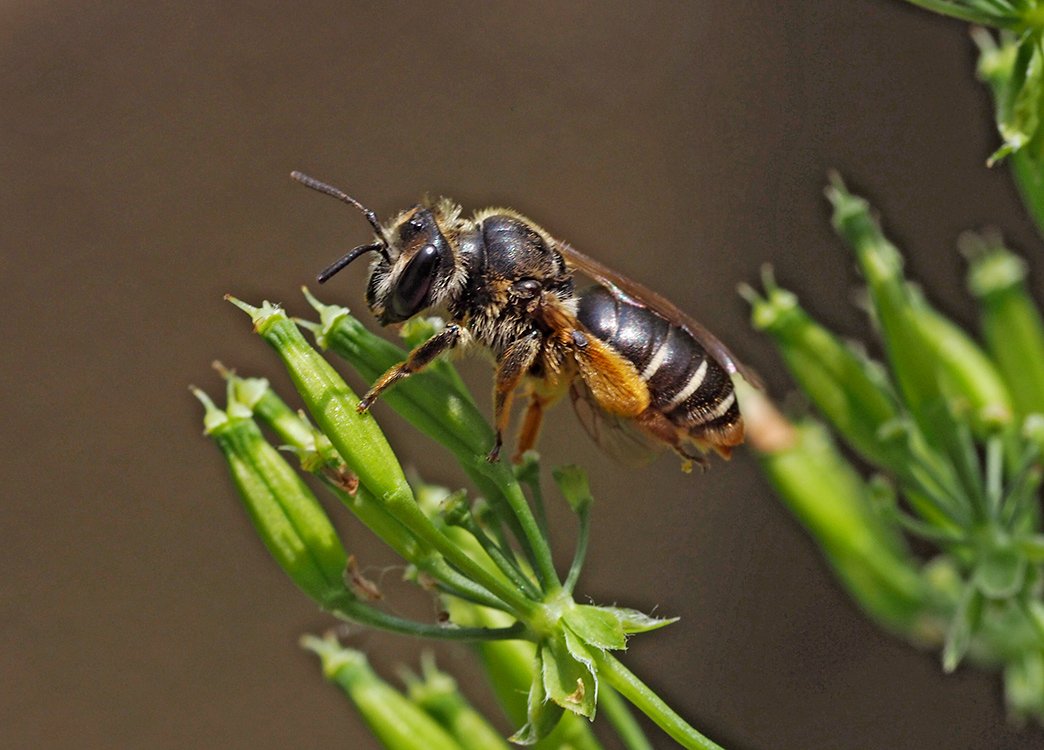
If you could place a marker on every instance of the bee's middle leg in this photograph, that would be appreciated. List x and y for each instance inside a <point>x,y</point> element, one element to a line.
<point>422,356</point>
<point>511,368</point>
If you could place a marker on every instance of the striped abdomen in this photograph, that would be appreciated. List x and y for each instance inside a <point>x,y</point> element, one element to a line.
<point>686,385</point>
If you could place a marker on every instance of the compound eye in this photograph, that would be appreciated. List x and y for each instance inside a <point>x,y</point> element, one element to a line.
<point>411,292</point>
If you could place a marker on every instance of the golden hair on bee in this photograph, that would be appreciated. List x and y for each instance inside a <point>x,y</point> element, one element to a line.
<point>632,362</point>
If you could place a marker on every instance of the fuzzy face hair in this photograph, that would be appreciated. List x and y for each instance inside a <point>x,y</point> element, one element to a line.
<point>423,267</point>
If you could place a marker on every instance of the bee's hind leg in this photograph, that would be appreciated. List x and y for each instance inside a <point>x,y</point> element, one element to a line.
<point>656,424</point>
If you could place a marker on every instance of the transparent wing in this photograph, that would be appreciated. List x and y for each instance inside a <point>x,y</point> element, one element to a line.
<point>616,436</point>
<point>639,294</point>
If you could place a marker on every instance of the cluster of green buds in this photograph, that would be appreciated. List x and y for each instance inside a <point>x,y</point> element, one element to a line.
<point>488,560</point>
<point>1010,37</point>
<point>953,431</point>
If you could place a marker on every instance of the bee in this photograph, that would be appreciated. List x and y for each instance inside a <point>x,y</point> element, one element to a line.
<point>641,374</point>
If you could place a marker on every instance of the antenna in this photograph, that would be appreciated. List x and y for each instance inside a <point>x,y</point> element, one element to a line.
<point>347,258</point>
<point>340,195</point>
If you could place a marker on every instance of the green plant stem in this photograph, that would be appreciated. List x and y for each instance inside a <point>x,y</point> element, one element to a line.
<point>650,704</point>
<point>1030,181</point>
<point>349,608</point>
<point>506,565</point>
<point>623,721</point>
<point>581,549</point>
<point>449,418</point>
<point>538,544</point>
<point>361,443</point>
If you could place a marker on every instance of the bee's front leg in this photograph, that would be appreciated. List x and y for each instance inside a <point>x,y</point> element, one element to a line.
<point>511,368</point>
<point>422,356</point>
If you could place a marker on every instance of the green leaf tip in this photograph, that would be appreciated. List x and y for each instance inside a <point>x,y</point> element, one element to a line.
<point>634,621</point>
<point>596,626</point>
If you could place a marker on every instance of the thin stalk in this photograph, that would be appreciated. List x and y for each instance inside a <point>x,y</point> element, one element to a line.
<point>581,549</point>
<point>491,521</point>
<point>537,543</point>
<point>650,704</point>
<point>623,721</point>
<point>917,527</point>
<point>994,474</point>
<point>529,474</point>
<point>966,462</point>
<point>497,555</point>
<point>388,528</point>
<point>1020,487</point>
<point>349,608</point>
<point>473,594</point>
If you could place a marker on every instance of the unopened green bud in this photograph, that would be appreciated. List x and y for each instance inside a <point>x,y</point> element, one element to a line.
<point>1024,684</point>
<point>436,692</point>
<point>430,401</point>
<point>1011,320</point>
<point>256,396</point>
<point>434,400</point>
<point>850,391</point>
<point>968,377</point>
<point>937,366</point>
<point>333,405</point>
<point>285,513</point>
<point>438,407</point>
<point>397,722</point>
<point>572,482</point>
<point>830,499</point>
<point>360,441</point>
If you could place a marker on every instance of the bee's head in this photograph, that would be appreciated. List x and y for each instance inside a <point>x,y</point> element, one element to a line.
<point>414,264</point>
<point>415,270</point>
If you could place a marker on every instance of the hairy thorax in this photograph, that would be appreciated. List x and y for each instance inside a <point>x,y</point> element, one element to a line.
<point>518,287</point>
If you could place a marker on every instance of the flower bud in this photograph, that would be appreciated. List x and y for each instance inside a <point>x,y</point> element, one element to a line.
<point>431,401</point>
<point>398,723</point>
<point>853,393</point>
<point>436,693</point>
<point>285,513</point>
<point>1011,320</point>
<point>832,502</point>
<point>938,368</point>
<point>332,404</point>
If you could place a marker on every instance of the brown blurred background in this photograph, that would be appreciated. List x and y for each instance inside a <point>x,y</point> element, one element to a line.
<point>144,160</point>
